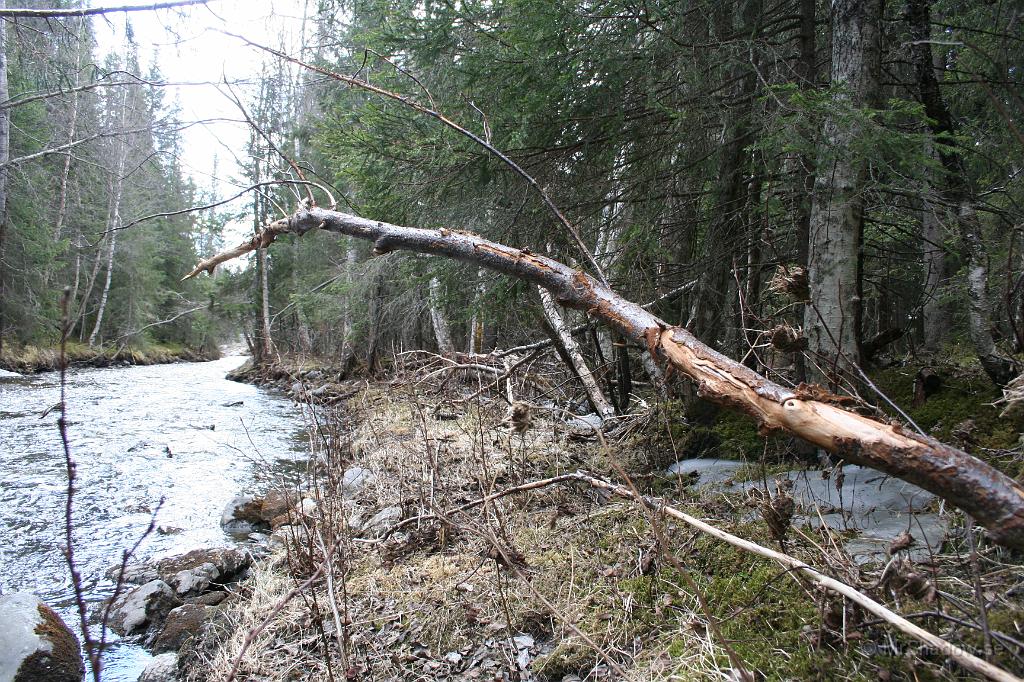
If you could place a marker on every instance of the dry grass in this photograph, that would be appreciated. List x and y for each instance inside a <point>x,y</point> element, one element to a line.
<point>581,579</point>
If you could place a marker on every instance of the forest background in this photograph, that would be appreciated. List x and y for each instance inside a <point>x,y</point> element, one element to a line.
<point>783,179</point>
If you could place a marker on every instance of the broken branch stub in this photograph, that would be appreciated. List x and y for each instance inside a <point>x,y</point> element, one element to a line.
<point>994,499</point>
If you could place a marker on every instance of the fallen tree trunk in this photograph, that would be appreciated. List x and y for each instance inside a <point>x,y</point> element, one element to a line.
<point>992,498</point>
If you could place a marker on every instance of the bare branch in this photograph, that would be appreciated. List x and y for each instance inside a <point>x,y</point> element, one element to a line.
<point>491,149</point>
<point>16,12</point>
<point>60,149</point>
<point>215,204</point>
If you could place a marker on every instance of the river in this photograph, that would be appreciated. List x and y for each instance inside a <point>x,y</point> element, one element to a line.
<point>180,432</point>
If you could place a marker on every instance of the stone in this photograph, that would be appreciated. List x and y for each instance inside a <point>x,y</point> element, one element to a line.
<point>197,571</point>
<point>354,480</point>
<point>210,598</point>
<point>35,644</point>
<point>307,507</point>
<point>163,668</point>
<point>182,623</point>
<point>134,574</point>
<point>297,536</point>
<point>245,514</point>
<point>142,607</point>
<point>382,520</point>
<point>232,519</point>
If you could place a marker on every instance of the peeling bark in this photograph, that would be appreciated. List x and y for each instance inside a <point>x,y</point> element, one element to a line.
<point>992,498</point>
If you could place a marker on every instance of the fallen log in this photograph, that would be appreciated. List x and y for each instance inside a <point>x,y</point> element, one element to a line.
<point>994,499</point>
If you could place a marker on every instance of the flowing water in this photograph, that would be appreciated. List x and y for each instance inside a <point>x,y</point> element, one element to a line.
<point>180,433</point>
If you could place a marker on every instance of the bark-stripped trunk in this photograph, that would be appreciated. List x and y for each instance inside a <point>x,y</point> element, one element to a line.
<point>442,334</point>
<point>991,497</point>
<point>837,214</point>
<point>597,400</point>
<point>959,194</point>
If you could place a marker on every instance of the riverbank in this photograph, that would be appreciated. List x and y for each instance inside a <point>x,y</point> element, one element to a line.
<point>31,359</point>
<point>406,576</point>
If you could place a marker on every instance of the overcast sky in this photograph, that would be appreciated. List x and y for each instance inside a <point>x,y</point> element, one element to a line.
<point>190,46</point>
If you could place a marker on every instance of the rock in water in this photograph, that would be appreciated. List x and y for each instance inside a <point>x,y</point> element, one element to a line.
<point>142,607</point>
<point>182,624</point>
<point>163,668</point>
<point>35,644</point>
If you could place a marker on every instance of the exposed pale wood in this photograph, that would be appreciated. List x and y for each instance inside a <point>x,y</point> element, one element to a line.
<point>991,497</point>
<point>597,399</point>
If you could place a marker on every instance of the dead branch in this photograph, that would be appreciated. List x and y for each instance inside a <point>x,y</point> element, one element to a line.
<point>991,497</point>
<point>91,11</point>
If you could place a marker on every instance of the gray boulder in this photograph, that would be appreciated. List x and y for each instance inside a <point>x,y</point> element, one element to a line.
<point>197,571</point>
<point>382,520</point>
<point>35,644</point>
<point>142,607</point>
<point>182,624</point>
<point>354,480</point>
<point>163,668</point>
<point>246,514</point>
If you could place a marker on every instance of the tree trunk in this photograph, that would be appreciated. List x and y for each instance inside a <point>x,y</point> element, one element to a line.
<point>836,225</point>
<point>114,217</point>
<point>475,337</point>
<point>106,289</point>
<point>959,193</point>
<point>5,155</point>
<point>991,497</point>
<point>579,366</point>
<point>442,333</point>
<point>933,313</point>
<point>266,343</point>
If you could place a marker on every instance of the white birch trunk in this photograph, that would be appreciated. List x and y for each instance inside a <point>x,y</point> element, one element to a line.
<point>442,333</point>
<point>113,218</point>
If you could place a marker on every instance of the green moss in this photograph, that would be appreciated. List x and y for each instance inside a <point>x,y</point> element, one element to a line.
<point>966,393</point>
<point>764,613</point>
<point>642,589</point>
